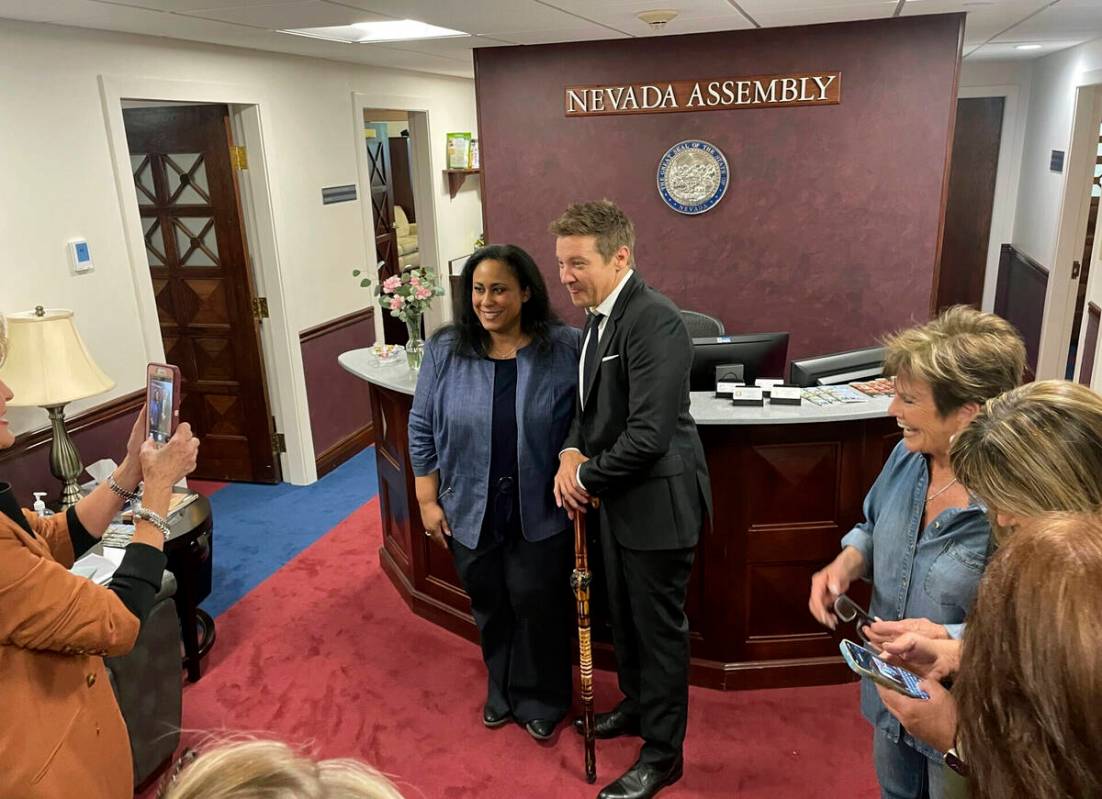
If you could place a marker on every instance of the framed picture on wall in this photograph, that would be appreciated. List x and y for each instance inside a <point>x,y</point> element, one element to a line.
<point>455,265</point>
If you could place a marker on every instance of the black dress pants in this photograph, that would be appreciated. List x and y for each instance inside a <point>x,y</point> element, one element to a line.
<point>650,632</point>
<point>521,601</point>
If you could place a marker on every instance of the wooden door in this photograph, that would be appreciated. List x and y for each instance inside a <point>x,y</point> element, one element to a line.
<point>968,210</point>
<point>195,244</point>
<point>400,168</point>
<point>382,215</point>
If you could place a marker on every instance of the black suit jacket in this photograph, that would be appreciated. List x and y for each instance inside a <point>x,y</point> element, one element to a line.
<point>646,461</point>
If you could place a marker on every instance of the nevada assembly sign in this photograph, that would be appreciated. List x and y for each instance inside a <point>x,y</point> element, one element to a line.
<point>756,91</point>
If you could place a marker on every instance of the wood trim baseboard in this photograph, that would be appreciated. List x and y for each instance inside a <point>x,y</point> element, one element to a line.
<point>344,449</point>
<point>93,417</point>
<point>333,325</point>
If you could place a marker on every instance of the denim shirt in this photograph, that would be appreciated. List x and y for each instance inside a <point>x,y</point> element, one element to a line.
<point>450,427</point>
<point>932,572</point>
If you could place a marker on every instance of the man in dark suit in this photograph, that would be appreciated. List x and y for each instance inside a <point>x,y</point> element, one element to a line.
<point>634,445</point>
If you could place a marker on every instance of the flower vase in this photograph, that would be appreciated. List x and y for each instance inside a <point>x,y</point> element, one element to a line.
<point>415,347</point>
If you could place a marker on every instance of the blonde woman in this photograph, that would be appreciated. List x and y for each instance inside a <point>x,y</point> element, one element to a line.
<point>273,770</point>
<point>1032,450</point>
<point>924,541</point>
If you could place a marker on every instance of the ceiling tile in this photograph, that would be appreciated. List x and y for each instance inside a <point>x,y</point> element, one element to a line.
<point>300,14</point>
<point>1079,21</point>
<point>824,14</point>
<point>41,11</point>
<point>472,16</point>
<point>200,5</point>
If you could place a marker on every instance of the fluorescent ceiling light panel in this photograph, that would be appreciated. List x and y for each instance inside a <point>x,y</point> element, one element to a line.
<point>399,30</point>
<point>1029,47</point>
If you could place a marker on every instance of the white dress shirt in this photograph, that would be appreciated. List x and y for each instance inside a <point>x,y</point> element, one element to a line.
<point>605,309</point>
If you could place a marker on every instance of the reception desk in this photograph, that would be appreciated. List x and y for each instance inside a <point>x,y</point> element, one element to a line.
<point>787,483</point>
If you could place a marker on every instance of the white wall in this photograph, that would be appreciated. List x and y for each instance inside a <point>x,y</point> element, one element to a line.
<point>1052,102</point>
<point>56,169</point>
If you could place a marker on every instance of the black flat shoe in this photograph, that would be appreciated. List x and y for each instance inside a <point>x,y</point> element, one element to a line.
<point>494,719</point>
<point>541,729</point>
<point>610,725</point>
<point>642,781</point>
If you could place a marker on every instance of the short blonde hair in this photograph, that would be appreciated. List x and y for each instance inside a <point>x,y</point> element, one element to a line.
<point>603,220</point>
<point>253,769</point>
<point>1035,449</point>
<point>964,355</point>
<point>3,339</point>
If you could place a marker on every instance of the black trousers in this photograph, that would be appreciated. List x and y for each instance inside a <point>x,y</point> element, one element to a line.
<point>650,632</point>
<point>521,601</point>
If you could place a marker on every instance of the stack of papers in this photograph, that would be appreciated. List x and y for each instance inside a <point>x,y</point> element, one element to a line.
<point>98,568</point>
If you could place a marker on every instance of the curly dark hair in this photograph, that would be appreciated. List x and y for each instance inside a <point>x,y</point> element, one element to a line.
<point>536,317</point>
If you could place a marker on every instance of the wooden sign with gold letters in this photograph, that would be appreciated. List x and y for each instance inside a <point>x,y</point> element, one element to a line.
<point>663,97</point>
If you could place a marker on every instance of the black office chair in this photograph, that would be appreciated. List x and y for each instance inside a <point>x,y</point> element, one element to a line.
<point>700,325</point>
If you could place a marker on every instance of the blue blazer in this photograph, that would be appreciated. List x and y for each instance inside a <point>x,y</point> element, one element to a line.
<point>451,420</point>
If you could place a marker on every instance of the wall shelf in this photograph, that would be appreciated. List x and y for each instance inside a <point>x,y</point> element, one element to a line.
<point>456,178</point>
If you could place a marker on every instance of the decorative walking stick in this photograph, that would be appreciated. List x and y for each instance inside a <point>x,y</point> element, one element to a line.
<point>579,581</point>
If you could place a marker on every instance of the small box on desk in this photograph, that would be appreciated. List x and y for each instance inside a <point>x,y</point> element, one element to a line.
<point>725,389</point>
<point>786,395</point>
<point>748,397</point>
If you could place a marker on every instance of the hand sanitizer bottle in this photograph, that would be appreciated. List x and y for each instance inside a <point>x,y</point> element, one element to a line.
<point>40,506</point>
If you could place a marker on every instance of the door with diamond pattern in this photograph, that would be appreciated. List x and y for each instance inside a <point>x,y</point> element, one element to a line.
<point>198,262</point>
<point>382,217</point>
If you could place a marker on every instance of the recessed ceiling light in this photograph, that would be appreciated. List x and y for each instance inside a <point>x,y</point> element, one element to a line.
<point>398,30</point>
<point>1028,47</point>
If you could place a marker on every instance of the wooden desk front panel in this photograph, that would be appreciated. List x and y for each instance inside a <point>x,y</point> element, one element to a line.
<point>783,497</point>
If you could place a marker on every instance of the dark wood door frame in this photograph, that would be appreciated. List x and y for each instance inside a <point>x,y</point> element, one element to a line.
<point>970,204</point>
<point>191,215</point>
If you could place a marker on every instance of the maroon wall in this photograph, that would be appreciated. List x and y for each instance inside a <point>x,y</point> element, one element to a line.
<point>830,225</point>
<point>340,406</point>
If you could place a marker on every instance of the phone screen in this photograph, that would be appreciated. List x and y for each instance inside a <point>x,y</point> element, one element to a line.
<point>160,408</point>
<point>905,681</point>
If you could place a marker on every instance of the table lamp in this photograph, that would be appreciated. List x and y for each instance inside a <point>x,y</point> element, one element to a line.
<point>49,366</point>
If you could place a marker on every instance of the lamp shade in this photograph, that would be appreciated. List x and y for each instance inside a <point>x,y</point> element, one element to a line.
<point>47,361</point>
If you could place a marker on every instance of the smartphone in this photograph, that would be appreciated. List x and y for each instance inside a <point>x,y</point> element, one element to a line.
<point>162,400</point>
<point>865,662</point>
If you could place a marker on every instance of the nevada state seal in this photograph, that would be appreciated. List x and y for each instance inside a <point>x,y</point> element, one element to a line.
<point>692,176</point>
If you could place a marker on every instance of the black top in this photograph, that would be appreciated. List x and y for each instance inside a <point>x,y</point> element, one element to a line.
<point>501,511</point>
<point>138,577</point>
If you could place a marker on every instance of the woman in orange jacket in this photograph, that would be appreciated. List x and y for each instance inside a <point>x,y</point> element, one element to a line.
<point>61,732</point>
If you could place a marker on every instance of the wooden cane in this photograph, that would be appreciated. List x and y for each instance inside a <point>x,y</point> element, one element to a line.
<point>579,581</point>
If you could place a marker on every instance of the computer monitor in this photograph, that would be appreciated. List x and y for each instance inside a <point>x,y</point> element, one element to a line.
<point>838,368</point>
<point>761,355</point>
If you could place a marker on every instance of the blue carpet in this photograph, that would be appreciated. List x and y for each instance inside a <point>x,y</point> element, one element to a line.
<point>258,528</point>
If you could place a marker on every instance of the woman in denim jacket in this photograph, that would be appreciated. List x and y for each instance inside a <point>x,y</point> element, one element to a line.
<point>494,402</point>
<point>924,541</point>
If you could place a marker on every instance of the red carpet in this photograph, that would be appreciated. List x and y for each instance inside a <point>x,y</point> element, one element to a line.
<point>205,487</point>
<point>324,653</point>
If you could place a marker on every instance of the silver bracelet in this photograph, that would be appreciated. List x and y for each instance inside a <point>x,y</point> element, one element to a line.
<point>157,521</point>
<point>122,492</point>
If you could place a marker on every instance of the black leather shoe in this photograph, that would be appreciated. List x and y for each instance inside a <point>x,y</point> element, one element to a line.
<point>610,725</point>
<point>642,781</point>
<point>493,718</point>
<point>541,729</point>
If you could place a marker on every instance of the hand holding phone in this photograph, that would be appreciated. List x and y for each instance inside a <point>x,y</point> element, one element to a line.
<point>162,398</point>
<point>865,662</point>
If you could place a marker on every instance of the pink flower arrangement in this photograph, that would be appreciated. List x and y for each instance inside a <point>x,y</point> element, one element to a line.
<point>408,295</point>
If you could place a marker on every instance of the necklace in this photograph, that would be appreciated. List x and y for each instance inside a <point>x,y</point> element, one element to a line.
<point>941,490</point>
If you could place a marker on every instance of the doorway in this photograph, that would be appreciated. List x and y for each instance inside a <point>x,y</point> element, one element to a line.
<point>970,205</point>
<point>1081,269</point>
<point>389,148</point>
<point>197,254</point>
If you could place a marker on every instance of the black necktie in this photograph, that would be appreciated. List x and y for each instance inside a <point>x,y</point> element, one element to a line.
<point>592,329</point>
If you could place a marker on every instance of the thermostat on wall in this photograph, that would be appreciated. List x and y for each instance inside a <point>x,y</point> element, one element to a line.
<point>80,257</point>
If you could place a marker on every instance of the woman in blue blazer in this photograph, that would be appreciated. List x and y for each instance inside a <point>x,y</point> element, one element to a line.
<point>494,402</point>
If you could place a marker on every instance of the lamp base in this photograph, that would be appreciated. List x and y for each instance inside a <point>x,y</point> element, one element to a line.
<point>65,462</point>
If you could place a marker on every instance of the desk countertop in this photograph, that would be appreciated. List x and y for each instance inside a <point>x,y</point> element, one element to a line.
<point>705,408</point>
